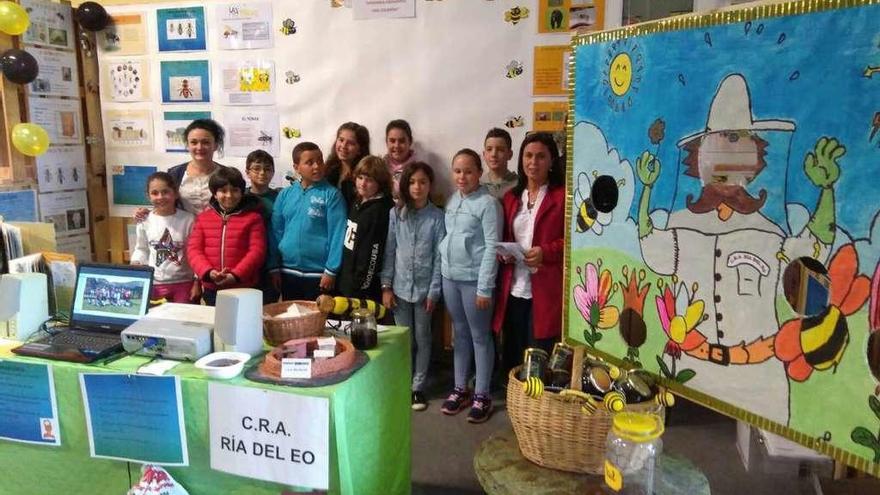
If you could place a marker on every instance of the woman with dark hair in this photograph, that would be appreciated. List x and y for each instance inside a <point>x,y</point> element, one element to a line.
<point>352,143</point>
<point>528,307</point>
<point>204,137</point>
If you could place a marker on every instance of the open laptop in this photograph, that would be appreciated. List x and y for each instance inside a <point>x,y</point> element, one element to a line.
<point>106,300</point>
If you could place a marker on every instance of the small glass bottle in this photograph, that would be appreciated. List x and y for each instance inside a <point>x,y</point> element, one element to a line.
<point>363,329</point>
<point>631,452</point>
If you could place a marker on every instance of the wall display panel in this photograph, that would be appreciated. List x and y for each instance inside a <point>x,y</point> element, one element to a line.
<point>722,220</point>
<point>331,68</point>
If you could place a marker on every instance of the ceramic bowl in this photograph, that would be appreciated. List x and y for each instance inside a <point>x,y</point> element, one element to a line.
<point>223,365</point>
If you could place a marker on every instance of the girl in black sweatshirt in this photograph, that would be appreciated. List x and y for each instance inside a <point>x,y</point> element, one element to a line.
<point>364,240</point>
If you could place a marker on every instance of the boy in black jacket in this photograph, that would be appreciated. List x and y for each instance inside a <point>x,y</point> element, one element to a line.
<point>364,241</point>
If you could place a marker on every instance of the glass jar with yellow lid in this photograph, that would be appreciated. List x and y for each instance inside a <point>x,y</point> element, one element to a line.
<point>631,450</point>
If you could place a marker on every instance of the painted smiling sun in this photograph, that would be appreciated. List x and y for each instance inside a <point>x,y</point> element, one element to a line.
<point>622,73</point>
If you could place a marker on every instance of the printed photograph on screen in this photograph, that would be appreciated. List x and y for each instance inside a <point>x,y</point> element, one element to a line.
<point>103,295</point>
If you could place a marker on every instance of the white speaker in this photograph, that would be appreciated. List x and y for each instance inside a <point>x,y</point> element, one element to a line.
<point>24,304</point>
<point>238,321</point>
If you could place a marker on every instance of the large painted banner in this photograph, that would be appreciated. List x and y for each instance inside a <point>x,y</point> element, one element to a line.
<point>723,210</point>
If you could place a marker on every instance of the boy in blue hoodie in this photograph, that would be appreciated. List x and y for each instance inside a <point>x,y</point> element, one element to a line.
<point>308,224</point>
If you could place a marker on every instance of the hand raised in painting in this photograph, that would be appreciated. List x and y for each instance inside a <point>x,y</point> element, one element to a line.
<point>821,164</point>
<point>648,168</point>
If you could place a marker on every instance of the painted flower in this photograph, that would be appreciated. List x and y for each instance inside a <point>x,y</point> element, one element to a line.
<point>634,291</point>
<point>818,342</point>
<point>874,309</point>
<point>592,295</point>
<point>679,314</point>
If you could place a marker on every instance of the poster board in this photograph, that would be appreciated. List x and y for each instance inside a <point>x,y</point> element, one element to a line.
<point>320,82</point>
<point>699,179</point>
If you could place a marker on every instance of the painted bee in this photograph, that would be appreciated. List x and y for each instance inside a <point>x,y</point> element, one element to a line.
<point>291,133</point>
<point>588,217</point>
<point>516,14</point>
<point>818,342</point>
<point>288,27</point>
<point>265,139</point>
<point>291,77</point>
<point>514,121</point>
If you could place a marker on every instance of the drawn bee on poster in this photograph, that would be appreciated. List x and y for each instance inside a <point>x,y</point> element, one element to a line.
<point>265,139</point>
<point>514,68</point>
<point>587,217</point>
<point>288,27</point>
<point>514,121</point>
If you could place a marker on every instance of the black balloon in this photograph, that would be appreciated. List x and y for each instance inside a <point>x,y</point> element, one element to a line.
<point>92,16</point>
<point>19,66</point>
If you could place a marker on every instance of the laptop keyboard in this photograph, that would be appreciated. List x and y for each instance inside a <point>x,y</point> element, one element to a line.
<point>94,342</point>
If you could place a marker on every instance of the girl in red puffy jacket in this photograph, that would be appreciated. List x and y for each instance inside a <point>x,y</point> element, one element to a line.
<point>227,246</point>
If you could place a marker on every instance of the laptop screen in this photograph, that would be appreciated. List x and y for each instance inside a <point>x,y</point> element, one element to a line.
<point>110,297</point>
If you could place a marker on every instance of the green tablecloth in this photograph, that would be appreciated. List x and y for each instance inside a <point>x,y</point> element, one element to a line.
<point>369,435</point>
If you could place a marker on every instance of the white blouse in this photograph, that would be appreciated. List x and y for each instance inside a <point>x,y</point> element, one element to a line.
<point>523,230</point>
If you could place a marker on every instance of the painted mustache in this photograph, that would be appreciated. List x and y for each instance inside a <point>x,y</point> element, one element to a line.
<point>736,197</point>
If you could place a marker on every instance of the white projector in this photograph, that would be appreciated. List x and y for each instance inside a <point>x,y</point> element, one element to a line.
<point>169,339</point>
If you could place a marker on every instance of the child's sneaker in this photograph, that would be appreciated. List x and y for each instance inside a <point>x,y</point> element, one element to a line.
<point>456,402</point>
<point>481,410</point>
<point>418,401</point>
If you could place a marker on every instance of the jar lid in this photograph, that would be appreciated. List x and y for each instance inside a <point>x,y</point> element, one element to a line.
<point>638,427</point>
<point>360,312</point>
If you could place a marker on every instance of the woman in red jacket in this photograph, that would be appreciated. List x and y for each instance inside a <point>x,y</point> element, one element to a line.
<point>227,246</point>
<point>528,306</point>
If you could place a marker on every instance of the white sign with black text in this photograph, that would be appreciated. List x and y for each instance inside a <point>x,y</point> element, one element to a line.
<point>270,436</point>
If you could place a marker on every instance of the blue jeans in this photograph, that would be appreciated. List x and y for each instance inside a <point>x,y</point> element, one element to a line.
<point>472,334</point>
<point>414,316</point>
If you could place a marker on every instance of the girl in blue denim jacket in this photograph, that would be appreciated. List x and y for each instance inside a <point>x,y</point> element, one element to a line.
<point>468,267</point>
<point>411,271</point>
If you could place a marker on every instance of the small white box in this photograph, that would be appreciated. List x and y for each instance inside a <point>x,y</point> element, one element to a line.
<point>324,353</point>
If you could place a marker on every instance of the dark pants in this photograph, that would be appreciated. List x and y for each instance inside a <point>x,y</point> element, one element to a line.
<point>518,334</point>
<point>210,296</point>
<point>270,295</point>
<point>299,288</point>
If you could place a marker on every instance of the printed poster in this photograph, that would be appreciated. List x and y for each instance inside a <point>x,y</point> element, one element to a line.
<point>244,25</point>
<point>586,15</point>
<point>51,24</point>
<point>80,246</point>
<point>67,210</point>
<point>181,29</point>
<point>126,80</point>
<point>18,206</point>
<point>553,16</point>
<point>550,76</point>
<point>378,9</point>
<point>135,418</point>
<point>174,124</point>
<point>29,409</point>
<point>185,81</point>
<point>128,129</point>
<point>248,83</point>
<point>62,119</point>
<point>126,35</point>
<point>127,188</point>
<point>549,116</point>
<point>61,168</point>
<point>247,131</point>
<point>294,450</point>
<point>58,74</point>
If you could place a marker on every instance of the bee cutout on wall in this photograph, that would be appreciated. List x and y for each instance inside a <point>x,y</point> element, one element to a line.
<point>514,121</point>
<point>291,132</point>
<point>288,27</point>
<point>516,14</point>
<point>291,77</point>
<point>265,138</point>
<point>514,68</point>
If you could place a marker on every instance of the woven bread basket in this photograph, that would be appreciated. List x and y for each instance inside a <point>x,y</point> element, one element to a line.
<point>276,331</point>
<point>553,431</point>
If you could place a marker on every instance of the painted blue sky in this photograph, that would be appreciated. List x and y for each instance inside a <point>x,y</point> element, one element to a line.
<point>809,69</point>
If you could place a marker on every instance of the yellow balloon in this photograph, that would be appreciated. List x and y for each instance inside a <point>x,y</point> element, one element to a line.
<point>30,139</point>
<point>14,20</point>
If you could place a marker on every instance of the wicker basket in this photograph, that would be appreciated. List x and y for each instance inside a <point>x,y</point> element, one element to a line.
<point>276,331</point>
<point>553,432</point>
